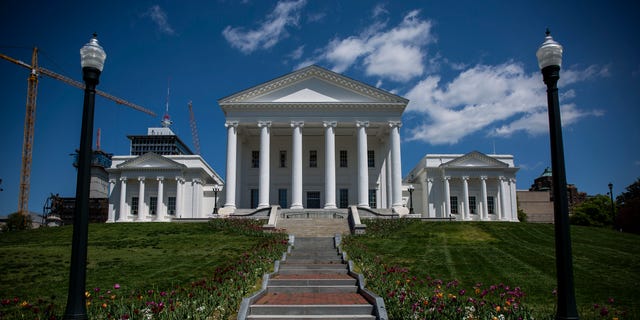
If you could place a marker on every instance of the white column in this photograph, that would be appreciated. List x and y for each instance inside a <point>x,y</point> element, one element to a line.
<point>296,165</point>
<point>122,212</point>
<point>447,198</point>
<point>232,148</point>
<point>396,163</point>
<point>196,198</point>
<point>503,198</point>
<point>363,169</point>
<point>112,211</point>
<point>179,196</point>
<point>485,205</point>
<point>142,212</point>
<point>161,208</point>
<point>330,164</point>
<point>465,195</point>
<point>265,146</point>
<point>514,204</point>
<point>427,213</point>
<point>389,181</point>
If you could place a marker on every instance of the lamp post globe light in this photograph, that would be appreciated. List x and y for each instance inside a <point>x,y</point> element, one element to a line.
<point>216,188</point>
<point>92,61</point>
<point>410,188</point>
<point>549,60</point>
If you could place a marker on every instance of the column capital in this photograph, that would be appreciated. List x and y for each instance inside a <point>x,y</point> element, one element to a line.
<point>123,179</point>
<point>429,180</point>
<point>393,124</point>
<point>196,181</point>
<point>331,124</point>
<point>112,180</point>
<point>512,180</point>
<point>446,178</point>
<point>179,179</point>
<point>297,124</point>
<point>233,124</point>
<point>141,179</point>
<point>502,178</point>
<point>484,177</point>
<point>465,178</point>
<point>362,124</point>
<point>160,178</point>
<point>264,124</point>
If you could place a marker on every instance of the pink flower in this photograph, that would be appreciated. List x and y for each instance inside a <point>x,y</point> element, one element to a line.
<point>116,286</point>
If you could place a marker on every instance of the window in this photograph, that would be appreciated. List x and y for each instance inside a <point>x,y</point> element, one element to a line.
<point>491,205</point>
<point>171,205</point>
<point>153,205</point>
<point>371,158</point>
<point>343,158</point>
<point>283,159</point>
<point>134,205</point>
<point>454,204</point>
<point>372,198</point>
<point>254,198</point>
<point>282,198</point>
<point>472,205</point>
<point>313,159</point>
<point>255,159</point>
<point>344,198</point>
<point>313,199</point>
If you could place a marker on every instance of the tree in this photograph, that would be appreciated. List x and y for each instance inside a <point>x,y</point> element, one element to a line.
<point>17,221</point>
<point>595,211</point>
<point>628,219</point>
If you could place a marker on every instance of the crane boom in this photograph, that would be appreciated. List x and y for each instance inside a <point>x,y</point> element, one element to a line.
<point>194,129</point>
<point>29,119</point>
<point>77,84</point>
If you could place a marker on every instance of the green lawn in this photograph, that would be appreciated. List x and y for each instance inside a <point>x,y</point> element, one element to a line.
<point>606,262</point>
<point>35,263</point>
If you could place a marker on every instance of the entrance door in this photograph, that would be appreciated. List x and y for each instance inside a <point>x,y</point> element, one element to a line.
<point>254,198</point>
<point>313,199</point>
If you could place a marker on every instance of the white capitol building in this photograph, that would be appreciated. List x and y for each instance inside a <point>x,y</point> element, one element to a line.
<point>311,139</point>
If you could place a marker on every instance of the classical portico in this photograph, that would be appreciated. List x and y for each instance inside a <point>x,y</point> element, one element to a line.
<point>313,139</point>
<point>472,186</point>
<point>154,187</point>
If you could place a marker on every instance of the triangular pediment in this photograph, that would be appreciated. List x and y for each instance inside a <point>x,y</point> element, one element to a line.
<point>312,84</point>
<point>150,160</point>
<point>475,159</point>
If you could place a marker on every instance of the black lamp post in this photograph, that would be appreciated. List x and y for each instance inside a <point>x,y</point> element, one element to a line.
<point>550,59</point>
<point>613,211</point>
<point>216,188</point>
<point>92,60</point>
<point>410,188</point>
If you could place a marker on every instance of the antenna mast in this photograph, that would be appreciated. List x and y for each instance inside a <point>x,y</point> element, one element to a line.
<point>166,120</point>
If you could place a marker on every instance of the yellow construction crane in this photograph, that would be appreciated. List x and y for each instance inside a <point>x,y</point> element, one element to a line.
<point>194,129</point>
<point>30,117</point>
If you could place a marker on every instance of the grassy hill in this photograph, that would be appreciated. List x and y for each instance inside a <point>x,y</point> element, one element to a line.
<point>35,263</point>
<point>606,262</point>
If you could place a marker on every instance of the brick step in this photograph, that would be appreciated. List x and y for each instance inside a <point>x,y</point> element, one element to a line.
<point>313,271</point>
<point>312,282</point>
<point>327,309</point>
<point>292,266</point>
<point>312,260</point>
<point>307,288</point>
<point>312,317</point>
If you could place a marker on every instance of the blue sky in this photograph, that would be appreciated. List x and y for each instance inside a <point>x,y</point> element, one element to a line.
<point>469,68</point>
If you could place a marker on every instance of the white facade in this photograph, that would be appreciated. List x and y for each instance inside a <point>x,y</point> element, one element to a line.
<point>473,186</point>
<point>313,139</point>
<point>154,187</point>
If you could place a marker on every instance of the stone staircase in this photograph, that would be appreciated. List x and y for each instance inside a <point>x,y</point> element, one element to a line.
<point>312,283</point>
<point>322,224</point>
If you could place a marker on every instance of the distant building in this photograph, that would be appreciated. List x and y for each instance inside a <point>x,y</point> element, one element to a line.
<point>472,186</point>
<point>537,203</point>
<point>160,141</point>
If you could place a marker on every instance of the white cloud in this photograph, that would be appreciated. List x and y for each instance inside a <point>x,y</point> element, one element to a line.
<point>379,10</point>
<point>483,97</point>
<point>297,53</point>
<point>397,53</point>
<point>576,75</point>
<point>159,17</point>
<point>270,31</point>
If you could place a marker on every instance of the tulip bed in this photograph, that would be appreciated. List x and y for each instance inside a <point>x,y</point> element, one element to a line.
<point>466,270</point>
<point>139,271</point>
